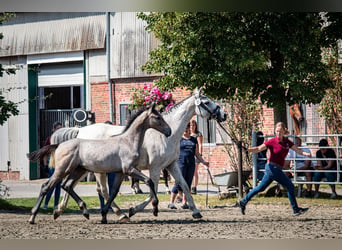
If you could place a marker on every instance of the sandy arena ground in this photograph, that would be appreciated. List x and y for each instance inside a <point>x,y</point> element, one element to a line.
<point>260,222</point>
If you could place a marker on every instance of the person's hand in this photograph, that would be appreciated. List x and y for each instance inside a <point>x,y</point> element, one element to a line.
<point>307,154</point>
<point>206,163</point>
<point>317,167</point>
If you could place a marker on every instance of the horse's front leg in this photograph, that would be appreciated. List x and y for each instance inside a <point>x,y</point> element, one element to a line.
<point>177,175</point>
<point>153,185</point>
<point>115,189</point>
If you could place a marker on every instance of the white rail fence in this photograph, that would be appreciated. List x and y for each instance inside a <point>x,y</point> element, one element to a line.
<point>313,148</point>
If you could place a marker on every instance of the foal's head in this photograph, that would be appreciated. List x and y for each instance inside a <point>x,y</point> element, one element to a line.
<point>152,119</point>
<point>156,121</point>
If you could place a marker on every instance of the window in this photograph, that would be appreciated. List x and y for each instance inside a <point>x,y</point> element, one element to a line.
<point>124,113</point>
<point>61,97</point>
<point>209,135</point>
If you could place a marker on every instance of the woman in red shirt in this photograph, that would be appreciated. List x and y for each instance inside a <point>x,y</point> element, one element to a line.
<point>279,147</point>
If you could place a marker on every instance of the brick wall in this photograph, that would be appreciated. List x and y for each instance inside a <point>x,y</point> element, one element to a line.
<point>10,175</point>
<point>123,89</point>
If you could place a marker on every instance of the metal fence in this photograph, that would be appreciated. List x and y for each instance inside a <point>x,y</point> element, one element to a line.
<point>313,148</point>
<point>48,117</point>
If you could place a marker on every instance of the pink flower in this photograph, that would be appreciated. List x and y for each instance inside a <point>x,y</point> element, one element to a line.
<point>145,86</point>
<point>155,91</point>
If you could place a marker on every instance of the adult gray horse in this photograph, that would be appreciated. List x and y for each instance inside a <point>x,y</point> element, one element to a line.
<point>119,154</point>
<point>160,152</point>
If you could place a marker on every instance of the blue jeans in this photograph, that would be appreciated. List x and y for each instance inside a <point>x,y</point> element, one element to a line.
<point>110,177</point>
<point>273,173</point>
<point>331,177</point>
<point>57,190</point>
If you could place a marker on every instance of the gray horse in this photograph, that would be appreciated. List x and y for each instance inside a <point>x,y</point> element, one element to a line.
<point>118,154</point>
<point>160,152</point>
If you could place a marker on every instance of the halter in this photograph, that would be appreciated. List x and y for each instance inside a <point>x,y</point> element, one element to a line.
<point>213,115</point>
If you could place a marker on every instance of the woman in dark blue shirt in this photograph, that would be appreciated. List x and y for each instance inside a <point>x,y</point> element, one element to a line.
<point>186,163</point>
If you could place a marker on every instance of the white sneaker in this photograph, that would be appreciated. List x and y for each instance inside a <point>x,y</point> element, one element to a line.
<point>172,206</point>
<point>333,196</point>
<point>316,195</point>
<point>45,207</point>
<point>55,207</point>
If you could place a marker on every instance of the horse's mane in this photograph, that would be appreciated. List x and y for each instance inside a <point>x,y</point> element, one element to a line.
<point>178,104</point>
<point>133,117</point>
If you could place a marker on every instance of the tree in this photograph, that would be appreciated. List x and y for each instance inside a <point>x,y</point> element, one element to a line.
<point>331,105</point>
<point>244,117</point>
<point>277,56</point>
<point>7,108</point>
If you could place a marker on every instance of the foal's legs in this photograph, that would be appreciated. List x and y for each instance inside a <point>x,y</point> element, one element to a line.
<point>165,177</point>
<point>69,182</point>
<point>62,205</point>
<point>46,187</point>
<point>148,181</point>
<point>115,189</point>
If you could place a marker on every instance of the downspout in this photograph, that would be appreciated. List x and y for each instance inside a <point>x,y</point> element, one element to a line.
<point>108,65</point>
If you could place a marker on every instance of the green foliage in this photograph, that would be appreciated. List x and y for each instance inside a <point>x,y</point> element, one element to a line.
<point>277,56</point>
<point>331,105</point>
<point>3,190</point>
<point>7,108</point>
<point>144,96</point>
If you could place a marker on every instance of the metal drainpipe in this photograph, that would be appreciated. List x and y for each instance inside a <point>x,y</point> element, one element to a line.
<point>108,65</point>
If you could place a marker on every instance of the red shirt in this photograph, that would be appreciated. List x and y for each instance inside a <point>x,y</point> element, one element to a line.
<point>278,149</point>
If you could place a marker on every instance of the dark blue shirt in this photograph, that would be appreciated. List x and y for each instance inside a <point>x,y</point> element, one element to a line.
<point>187,152</point>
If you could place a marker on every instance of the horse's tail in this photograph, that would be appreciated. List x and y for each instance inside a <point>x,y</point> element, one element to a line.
<point>63,134</point>
<point>40,153</point>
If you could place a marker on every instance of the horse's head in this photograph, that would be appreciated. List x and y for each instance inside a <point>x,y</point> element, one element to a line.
<point>296,112</point>
<point>156,121</point>
<point>207,108</point>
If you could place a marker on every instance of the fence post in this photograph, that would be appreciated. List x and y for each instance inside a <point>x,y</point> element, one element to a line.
<point>254,159</point>
<point>239,144</point>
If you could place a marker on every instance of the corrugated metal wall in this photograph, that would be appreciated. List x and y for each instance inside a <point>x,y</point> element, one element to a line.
<point>14,134</point>
<point>35,33</point>
<point>130,45</point>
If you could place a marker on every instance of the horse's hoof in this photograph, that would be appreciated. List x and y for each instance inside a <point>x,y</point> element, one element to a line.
<point>56,214</point>
<point>124,218</point>
<point>86,215</point>
<point>197,215</point>
<point>131,212</point>
<point>155,211</point>
<point>31,220</point>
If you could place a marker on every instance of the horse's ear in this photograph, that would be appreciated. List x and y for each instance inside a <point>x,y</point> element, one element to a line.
<point>198,91</point>
<point>152,106</point>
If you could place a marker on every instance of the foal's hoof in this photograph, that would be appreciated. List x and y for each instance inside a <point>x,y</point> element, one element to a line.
<point>123,218</point>
<point>104,221</point>
<point>155,211</point>
<point>55,215</point>
<point>31,221</point>
<point>86,215</point>
<point>197,215</point>
<point>131,212</point>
